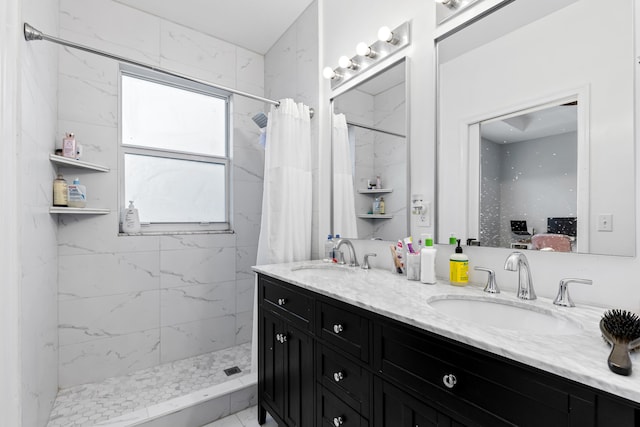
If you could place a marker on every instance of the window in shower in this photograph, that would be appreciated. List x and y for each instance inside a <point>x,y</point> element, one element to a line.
<point>175,159</point>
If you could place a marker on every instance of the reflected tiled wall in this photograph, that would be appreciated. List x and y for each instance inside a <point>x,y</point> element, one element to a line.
<point>130,302</point>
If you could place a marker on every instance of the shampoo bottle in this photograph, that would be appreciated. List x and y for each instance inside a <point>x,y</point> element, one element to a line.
<point>77,194</point>
<point>60,191</point>
<point>131,220</point>
<point>459,267</point>
<point>428,261</point>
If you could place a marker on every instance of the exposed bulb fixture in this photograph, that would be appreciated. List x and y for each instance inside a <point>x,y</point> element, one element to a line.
<point>363,49</point>
<point>346,62</point>
<point>330,74</point>
<point>385,35</point>
<point>451,4</point>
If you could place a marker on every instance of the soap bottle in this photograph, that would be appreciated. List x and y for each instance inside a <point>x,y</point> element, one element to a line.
<point>328,248</point>
<point>131,220</point>
<point>428,261</point>
<point>376,206</point>
<point>77,194</point>
<point>381,205</point>
<point>452,239</point>
<point>459,267</point>
<point>60,191</point>
<point>69,146</point>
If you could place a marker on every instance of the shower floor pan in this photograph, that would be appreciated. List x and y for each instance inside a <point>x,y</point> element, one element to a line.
<point>189,392</point>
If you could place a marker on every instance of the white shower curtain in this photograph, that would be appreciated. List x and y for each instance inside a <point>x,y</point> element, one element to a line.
<point>344,211</point>
<point>285,230</point>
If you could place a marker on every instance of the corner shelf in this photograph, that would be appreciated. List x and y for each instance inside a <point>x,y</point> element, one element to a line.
<point>375,191</point>
<point>79,164</point>
<point>375,216</point>
<point>65,161</point>
<point>82,211</point>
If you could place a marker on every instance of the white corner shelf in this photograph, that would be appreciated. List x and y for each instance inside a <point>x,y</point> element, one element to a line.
<point>80,211</point>
<point>65,161</point>
<point>375,190</point>
<point>375,216</point>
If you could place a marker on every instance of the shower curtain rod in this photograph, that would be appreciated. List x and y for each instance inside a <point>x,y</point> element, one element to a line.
<point>375,130</point>
<point>30,33</point>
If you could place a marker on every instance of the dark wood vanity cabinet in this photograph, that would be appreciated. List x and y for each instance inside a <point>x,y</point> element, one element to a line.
<point>323,362</point>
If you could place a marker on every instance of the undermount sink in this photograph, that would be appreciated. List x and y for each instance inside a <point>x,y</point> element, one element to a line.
<point>508,315</point>
<point>324,269</point>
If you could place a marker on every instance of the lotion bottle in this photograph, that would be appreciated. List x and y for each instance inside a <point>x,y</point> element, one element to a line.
<point>428,261</point>
<point>459,267</point>
<point>77,194</point>
<point>131,220</point>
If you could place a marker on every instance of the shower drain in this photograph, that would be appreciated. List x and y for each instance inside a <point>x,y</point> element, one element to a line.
<point>232,370</point>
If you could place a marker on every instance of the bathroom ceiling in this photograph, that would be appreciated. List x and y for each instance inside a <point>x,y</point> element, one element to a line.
<point>253,24</point>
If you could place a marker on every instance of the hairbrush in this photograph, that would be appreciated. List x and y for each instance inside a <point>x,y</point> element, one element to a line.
<point>621,329</point>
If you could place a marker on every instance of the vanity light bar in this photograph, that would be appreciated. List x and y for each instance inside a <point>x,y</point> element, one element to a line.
<point>388,43</point>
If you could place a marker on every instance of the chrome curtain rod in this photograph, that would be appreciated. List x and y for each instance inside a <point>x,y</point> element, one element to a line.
<point>376,130</point>
<point>30,33</point>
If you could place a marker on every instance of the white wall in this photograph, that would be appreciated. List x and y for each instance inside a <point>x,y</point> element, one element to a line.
<point>38,228</point>
<point>130,302</point>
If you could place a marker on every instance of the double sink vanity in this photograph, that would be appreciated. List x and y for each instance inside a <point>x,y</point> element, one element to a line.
<point>345,346</point>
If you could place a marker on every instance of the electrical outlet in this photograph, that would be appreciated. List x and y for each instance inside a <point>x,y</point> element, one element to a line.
<point>605,222</point>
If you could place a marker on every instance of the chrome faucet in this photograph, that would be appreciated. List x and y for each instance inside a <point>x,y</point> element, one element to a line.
<point>518,262</point>
<point>353,260</point>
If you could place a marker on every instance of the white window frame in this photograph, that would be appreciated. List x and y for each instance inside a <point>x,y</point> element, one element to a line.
<point>123,149</point>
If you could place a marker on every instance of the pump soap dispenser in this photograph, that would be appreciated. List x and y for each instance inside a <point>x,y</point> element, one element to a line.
<point>130,219</point>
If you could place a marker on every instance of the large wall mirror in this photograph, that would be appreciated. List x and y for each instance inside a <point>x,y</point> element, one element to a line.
<point>370,152</point>
<point>536,128</point>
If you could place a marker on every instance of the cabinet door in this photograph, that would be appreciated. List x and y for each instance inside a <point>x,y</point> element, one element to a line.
<point>394,408</point>
<point>271,362</point>
<point>299,377</point>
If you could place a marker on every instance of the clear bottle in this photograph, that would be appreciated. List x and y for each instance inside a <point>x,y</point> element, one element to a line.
<point>77,194</point>
<point>376,206</point>
<point>60,191</point>
<point>428,261</point>
<point>328,248</point>
<point>458,267</point>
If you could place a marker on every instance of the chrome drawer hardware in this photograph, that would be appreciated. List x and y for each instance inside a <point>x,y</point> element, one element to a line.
<point>282,301</point>
<point>338,328</point>
<point>338,376</point>
<point>281,338</point>
<point>449,380</point>
<point>337,421</point>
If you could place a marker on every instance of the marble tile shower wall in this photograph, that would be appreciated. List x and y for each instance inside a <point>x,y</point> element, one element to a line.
<point>130,302</point>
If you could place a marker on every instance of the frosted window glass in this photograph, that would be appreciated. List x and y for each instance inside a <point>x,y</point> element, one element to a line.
<point>172,190</point>
<point>165,117</point>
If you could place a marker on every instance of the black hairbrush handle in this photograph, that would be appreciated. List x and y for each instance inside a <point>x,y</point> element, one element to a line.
<point>619,360</point>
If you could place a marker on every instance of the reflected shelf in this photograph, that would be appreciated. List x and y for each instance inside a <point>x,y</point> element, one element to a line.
<point>375,191</point>
<point>375,216</point>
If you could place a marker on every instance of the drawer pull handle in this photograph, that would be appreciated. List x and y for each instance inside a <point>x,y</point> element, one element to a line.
<point>338,421</point>
<point>282,301</point>
<point>281,338</point>
<point>338,376</point>
<point>338,328</point>
<point>449,380</point>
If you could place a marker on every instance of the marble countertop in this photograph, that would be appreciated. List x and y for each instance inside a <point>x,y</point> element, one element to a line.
<point>581,356</point>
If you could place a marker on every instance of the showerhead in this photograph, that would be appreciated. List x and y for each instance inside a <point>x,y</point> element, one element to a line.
<point>261,120</point>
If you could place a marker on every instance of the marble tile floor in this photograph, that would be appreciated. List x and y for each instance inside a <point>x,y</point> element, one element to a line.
<point>245,418</point>
<point>90,404</point>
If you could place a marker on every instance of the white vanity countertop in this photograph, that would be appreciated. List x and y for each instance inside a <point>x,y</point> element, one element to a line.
<point>581,357</point>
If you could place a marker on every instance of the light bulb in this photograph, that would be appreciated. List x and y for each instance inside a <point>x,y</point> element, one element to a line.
<point>364,49</point>
<point>385,34</point>
<point>346,62</point>
<point>328,73</point>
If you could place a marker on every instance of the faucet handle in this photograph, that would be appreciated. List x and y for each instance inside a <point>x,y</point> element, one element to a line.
<point>365,262</point>
<point>563,299</point>
<point>491,286</point>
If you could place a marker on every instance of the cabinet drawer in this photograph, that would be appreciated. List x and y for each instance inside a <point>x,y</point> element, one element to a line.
<point>473,382</point>
<point>333,412</point>
<point>345,378</point>
<point>287,302</point>
<point>344,329</point>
